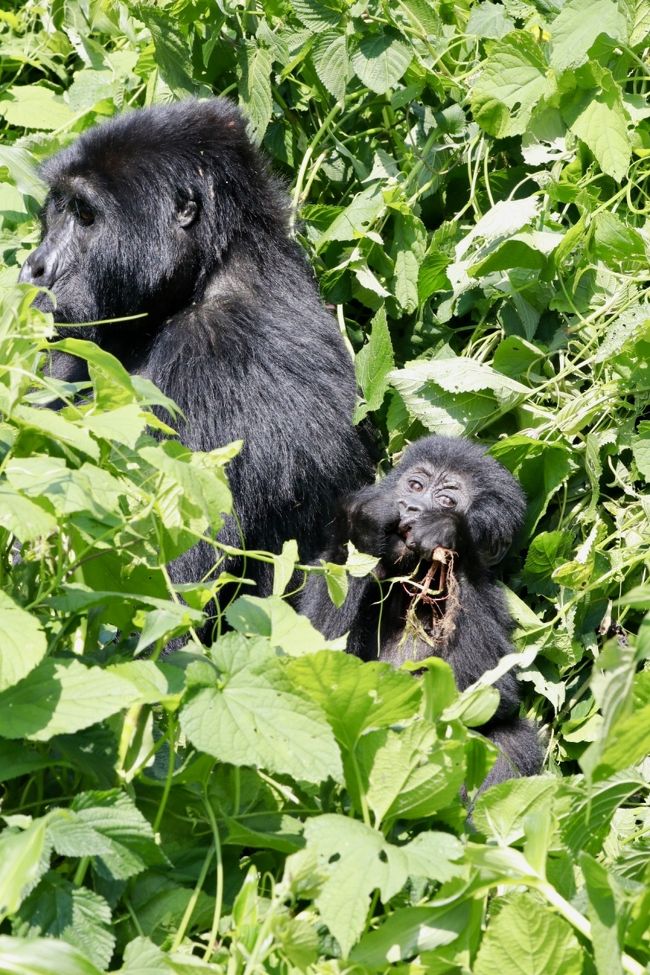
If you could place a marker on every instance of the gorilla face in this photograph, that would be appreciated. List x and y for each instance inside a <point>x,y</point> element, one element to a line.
<point>431,500</point>
<point>97,257</point>
<point>141,211</point>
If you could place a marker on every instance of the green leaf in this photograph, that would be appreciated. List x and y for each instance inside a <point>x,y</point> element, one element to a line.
<point>599,119</point>
<point>356,218</point>
<point>500,812</point>
<point>374,362</point>
<point>547,551</point>
<point>489,20</point>
<point>274,618</point>
<point>114,818</point>
<point>411,775</point>
<point>578,25</point>
<point>23,643</point>
<point>23,170</point>
<point>513,79</point>
<point>250,714</point>
<point>640,449</point>
<point>21,854</point>
<point>35,107</point>
<point>355,859</point>
<point>330,57</point>
<point>454,396</point>
<point>615,243</point>
<point>380,61</point>
<point>316,15</point>
<point>58,909</point>
<point>23,518</point>
<point>604,917</point>
<point>42,956</point>
<point>59,697</point>
<point>284,566</point>
<point>355,696</point>
<point>255,88</point>
<point>410,931</point>
<point>526,938</point>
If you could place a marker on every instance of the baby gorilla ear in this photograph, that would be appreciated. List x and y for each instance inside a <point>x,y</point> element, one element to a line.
<point>187,208</point>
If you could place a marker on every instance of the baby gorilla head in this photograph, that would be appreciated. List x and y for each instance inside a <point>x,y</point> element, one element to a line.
<point>445,493</point>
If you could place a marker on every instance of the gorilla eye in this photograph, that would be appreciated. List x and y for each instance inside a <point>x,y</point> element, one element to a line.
<point>446,501</point>
<point>82,212</point>
<point>416,485</point>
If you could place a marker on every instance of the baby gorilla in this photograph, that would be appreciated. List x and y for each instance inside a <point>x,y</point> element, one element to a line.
<point>442,518</point>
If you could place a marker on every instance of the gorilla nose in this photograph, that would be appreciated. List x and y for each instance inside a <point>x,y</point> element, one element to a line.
<point>39,268</point>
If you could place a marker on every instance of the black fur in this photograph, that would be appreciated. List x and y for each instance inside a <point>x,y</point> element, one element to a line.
<point>446,492</point>
<point>171,211</point>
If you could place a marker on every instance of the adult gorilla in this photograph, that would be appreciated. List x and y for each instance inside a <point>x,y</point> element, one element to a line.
<point>171,211</point>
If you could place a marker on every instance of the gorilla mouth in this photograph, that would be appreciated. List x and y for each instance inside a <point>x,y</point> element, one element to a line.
<point>433,599</point>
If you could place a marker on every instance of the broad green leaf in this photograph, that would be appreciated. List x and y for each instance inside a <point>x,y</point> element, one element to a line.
<point>58,909</point>
<point>123,425</point>
<point>410,931</point>
<point>640,449</point>
<point>58,428</point>
<point>60,697</point>
<point>454,396</point>
<point>501,811</point>
<point>374,362</point>
<point>284,566</point>
<point>116,820</point>
<point>615,243</point>
<point>411,775</point>
<point>512,81</point>
<point>23,643</point>
<point>35,107</point>
<point>576,27</point>
<point>142,957</point>
<point>255,89</point>
<point>330,57</point>
<point>172,52</point>
<point>489,19</point>
<point>317,14</point>
<point>527,938</point>
<point>606,924</point>
<point>274,618</point>
<point>599,119</point>
<point>355,697</point>
<point>21,855</point>
<point>380,61</point>
<point>356,218</point>
<point>23,170</point>
<point>250,714</point>
<point>355,859</point>
<point>23,518</point>
<point>42,956</point>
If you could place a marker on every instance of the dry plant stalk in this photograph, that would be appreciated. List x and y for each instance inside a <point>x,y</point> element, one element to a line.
<point>438,591</point>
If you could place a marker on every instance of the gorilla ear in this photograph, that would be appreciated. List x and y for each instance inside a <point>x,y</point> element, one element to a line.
<point>493,553</point>
<point>186,208</point>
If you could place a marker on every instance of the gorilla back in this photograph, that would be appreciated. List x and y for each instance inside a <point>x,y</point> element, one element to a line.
<point>171,212</point>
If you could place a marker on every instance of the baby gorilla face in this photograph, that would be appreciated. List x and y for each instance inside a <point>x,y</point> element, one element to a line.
<point>431,504</point>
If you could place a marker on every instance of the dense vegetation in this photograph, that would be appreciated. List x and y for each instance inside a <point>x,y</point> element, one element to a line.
<point>471,182</point>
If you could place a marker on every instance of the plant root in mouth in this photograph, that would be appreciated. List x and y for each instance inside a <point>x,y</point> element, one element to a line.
<point>434,602</point>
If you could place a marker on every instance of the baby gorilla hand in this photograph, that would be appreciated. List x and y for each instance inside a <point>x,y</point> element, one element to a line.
<point>373,519</point>
<point>430,530</point>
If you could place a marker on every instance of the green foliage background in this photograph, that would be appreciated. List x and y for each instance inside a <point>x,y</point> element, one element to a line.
<point>471,183</point>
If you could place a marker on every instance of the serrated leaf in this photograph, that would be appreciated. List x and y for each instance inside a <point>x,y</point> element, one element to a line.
<point>355,696</point>
<point>410,931</point>
<point>599,119</point>
<point>255,89</point>
<point>23,643</point>
<point>42,956</point>
<point>116,819</point>
<point>489,20</point>
<point>274,618</point>
<point>374,362</point>
<point>22,517</point>
<point>60,697</point>
<point>252,715</point>
<point>35,107</point>
<point>21,855</point>
<point>512,80</point>
<point>316,14</point>
<point>58,909</point>
<point>527,938</point>
<point>330,56</point>
<point>576,27</point>
<point>380,61</point>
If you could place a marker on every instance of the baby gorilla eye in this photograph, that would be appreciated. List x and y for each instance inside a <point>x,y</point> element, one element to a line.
<point>415,485</point>
<point>446,501</point>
